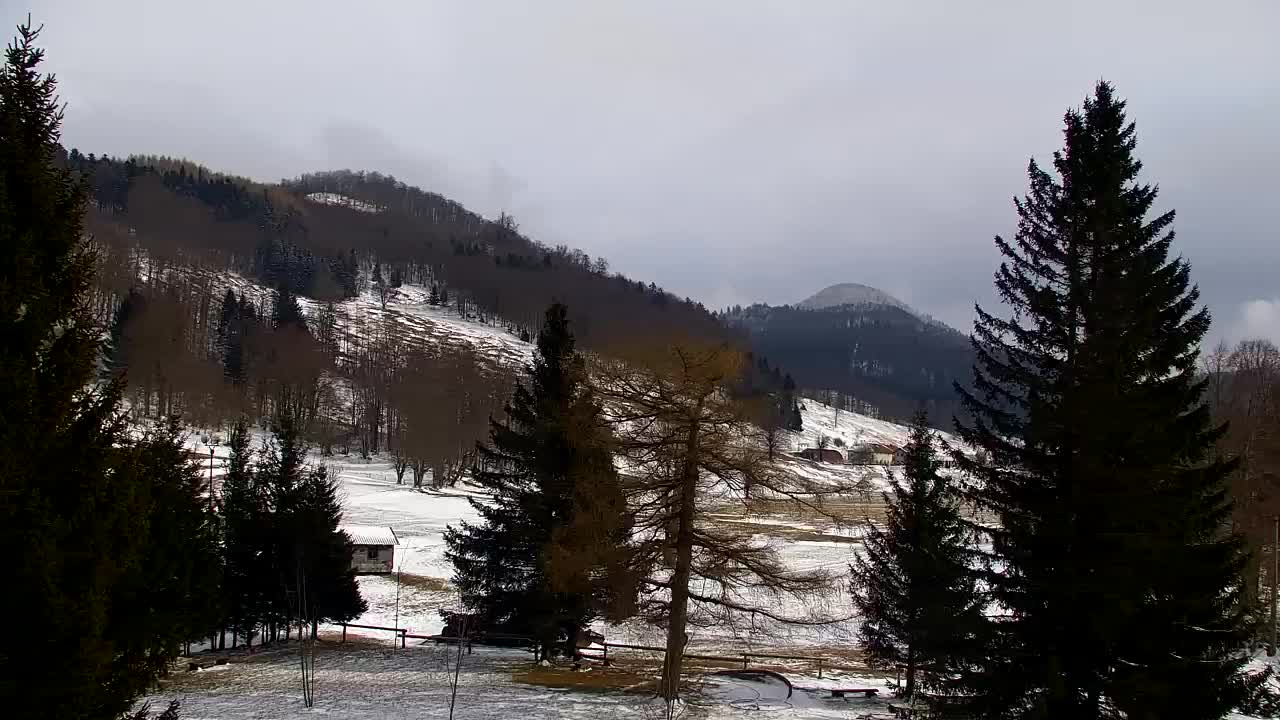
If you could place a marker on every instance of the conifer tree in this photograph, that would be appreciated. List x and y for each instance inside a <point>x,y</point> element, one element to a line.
<point>280,474</point>
<point>173,596</point>
<point>912,583</point>
<point>236,322</point>
<point>82,506</point>
<point>1118,588</point>
<point>245,546</point>
<point>795,422</point>
<point>323,553</point>
<point>226,315</point>
<point>534,563</point>
<point>286,312</point>
<point>307,544</point>
<point>115,356</point>
<point>327,329</point>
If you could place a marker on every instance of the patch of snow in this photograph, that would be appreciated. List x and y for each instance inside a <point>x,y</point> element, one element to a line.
<point>328,198</point>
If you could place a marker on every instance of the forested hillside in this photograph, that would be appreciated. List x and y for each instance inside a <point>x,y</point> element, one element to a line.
<point>315,233</point>
<point>878,354</point>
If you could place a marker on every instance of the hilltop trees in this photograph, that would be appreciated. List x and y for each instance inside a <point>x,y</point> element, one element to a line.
<point>912,583</point>
<point>103,594</point>
<point>1119,589</point>
<point>545,552</point>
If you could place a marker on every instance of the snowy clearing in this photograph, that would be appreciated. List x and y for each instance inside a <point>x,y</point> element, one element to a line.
<point>370,680</point>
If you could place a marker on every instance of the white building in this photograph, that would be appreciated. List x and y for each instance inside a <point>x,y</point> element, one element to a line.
<point>373,550</point>
<point>872,454</point>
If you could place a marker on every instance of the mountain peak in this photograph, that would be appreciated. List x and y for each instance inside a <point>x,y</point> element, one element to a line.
<point>851,294</point>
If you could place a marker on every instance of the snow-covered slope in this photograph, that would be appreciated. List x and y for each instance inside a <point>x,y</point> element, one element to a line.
<point>328,198</point>
<point>821,420</point>
<point>417,320</point>
<point>414,320</point>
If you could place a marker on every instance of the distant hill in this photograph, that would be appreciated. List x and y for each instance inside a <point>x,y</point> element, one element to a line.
<point>851,294</point>
<point>865,343</point>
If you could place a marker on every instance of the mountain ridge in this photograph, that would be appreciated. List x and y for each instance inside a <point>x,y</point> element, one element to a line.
<point>851,293</point>
<point>879,354</point>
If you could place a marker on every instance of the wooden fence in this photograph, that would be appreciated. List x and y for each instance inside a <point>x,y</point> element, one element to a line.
<point>402,635</point>
<point>399,632</point>
<point>744,658</point>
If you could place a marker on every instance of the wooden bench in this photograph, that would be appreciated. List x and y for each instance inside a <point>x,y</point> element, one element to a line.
<point>865,692</point>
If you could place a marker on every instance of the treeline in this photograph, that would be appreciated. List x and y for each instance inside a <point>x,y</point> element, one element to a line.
<point>880,357</point>
<point>1243,393</point>
<point>286,564</point>
<point>179,212</point>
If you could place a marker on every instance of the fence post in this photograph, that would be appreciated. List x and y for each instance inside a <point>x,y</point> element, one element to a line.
<point>605,660</point>
<point>744,661</point>
<point>819,668</point>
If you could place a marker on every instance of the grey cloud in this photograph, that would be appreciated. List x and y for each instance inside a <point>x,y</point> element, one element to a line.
<point>731,151</point>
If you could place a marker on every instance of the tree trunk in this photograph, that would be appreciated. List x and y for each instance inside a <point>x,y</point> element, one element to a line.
<point>677,621</point>
<point>672,530</point>
<point>910,688</point>
<point>571,648</point>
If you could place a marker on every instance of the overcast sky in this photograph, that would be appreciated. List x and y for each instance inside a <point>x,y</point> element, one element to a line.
<point>731,151</point>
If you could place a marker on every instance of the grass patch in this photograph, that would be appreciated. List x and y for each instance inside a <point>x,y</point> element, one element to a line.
<point>784,531</point>
<point>425,582</point>
<point>599,678</point>
<point>848,510</point>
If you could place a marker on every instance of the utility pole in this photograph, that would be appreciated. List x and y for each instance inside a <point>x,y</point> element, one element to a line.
<point>396,623</point>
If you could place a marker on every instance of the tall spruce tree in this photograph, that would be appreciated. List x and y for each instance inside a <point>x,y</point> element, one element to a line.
<point>913,584</point>
<point>246,546</point>
<point>1118,588</point>
<point>307,544</point>
<point>795,422</point>
<point>173,596</point>
<point>115,355</point>
<point>82,505</point>
<point>325,581</point>
<point>534,562</point>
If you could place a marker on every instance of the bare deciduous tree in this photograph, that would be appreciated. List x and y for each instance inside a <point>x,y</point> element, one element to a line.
<point>687,444</point>
<point>1244,391</point>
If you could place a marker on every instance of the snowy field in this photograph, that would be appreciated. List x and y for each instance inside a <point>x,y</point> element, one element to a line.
<point>366,681</point>
<point>370,678</point>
